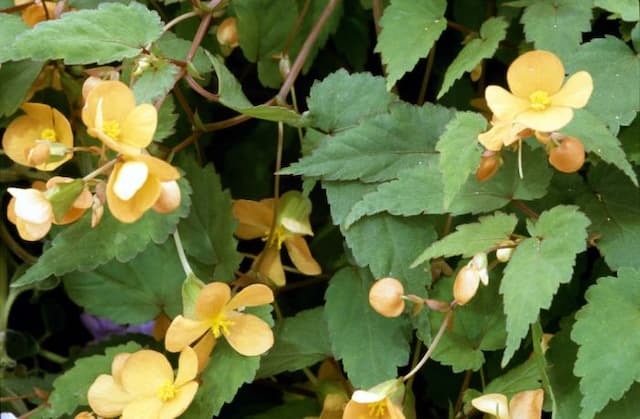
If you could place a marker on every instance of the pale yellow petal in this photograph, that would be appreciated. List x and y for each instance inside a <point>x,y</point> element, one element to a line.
<point>355,410</point>
<point>576,91</point>
<point>503,104</point>
<point>139,126</point>
<point>129,211</point>
<point>533,71</point>
<point>11,211</point>
<point>494,404</point>
<point>160,169</point>
<point>117,101</point>
<point>527,404</point>
<point>211,300</point>
<point>144,372</point>
<point>132,175</point>
<point>249,335</point>
<point>53,119</point>
<point>21,134</point>
<point>203,350</point>
<point>187,366</point>
<point>176,406</point>
<point>551,119</point>
<point>269,265</point>
<point>32,231</point>
<point>145,408</point>
<point>117,365</point>
<point>255,218</point>
<point>182,332</point>
<point>253,295</point>
<point>301,255</point>
<point>106,397</point>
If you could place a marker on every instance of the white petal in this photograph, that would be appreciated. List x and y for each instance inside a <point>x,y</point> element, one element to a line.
<point>131,177</point>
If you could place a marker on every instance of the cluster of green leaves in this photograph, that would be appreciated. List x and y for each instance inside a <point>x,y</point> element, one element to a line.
<point>396,196</point>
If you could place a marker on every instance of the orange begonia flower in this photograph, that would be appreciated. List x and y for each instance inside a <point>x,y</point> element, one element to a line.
<point>34,138</point>
<point>218,314</point>
<point>524,405</point>
<point>110,114</point>
<point>79,206</point>
<point>37,12</point>
<point>538,99</point>
<point>31,212</point>
<point>502,133</point>
<point>370,405</point>
<point>142,385</point>
<point>256,221</point>
<point>135,185</point>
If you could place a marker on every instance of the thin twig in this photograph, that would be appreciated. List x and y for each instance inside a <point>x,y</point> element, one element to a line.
<point>427,75</point>
<point>201,90</point>
<point>525,209</point>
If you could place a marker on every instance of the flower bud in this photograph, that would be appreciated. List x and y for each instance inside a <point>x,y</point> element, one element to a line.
<point>385,297</point>
<point>490,162</point>
<point>227,33</point>
<point>466,285</point>
<point>169,198</point>
<point>504,254</point>
<point>39,153</point>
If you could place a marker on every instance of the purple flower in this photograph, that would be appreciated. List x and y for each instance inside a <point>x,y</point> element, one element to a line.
<point>101,328</point>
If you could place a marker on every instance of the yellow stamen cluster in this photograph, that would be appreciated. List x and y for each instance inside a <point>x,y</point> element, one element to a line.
<point>277,238</point>
<point>540,100</point>
<point>377,409</point>
<point>220,325</point>
<point>112,129</point>
<point>48,134</point>
<point>168,391</point>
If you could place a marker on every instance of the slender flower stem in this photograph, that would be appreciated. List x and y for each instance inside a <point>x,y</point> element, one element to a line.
<point>459,27</point>
<point>536,340</point>
<point>296,27</point>
<point>525,209</point>
<point>434,343</point>
<point>15,247</point>
<point>427,75</point>
<point>377,9</point>
<point>201,90</point>
<point>181,255</point>
<point>51,356</point>
<point>178,19</point>
<point>305,50</point>
<point>100,170</point>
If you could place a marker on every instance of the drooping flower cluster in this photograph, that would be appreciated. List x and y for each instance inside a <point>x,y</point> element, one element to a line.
<point>524,405</point>
<point>469,277</point>
<point>539,101</point>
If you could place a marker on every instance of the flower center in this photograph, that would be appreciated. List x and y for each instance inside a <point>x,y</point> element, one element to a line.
<point>112,129</point>
<point>540,100</point>
<point>278,237</point>
<point>377,409</point>
<point>220,325</point>
<point>167,391</point>
<point>48,134</point>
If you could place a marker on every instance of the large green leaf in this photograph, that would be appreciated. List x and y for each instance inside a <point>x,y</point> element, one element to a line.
<point>606,331</point>
<point>110,33</point>
<point>82,248</point>
<point>207,233</point>
<point>537,268</point>
<point>379,148</point>
<point>525,376</point>
<point>491,33</point>
<point>124,293</point>
<point>155,82</point>
<point>614,68</point>
<point>561,356</point>
<point>369,345</point>
<point>300,342</point>
<point>10,27</point>
<point>596,138</point>
<point>469,239</point>
<point>557,25</point>
<point>628,10</point>
<point>409,30</point>
<point>459,151</point>
<point>70,389</point>
<point>16,79</point>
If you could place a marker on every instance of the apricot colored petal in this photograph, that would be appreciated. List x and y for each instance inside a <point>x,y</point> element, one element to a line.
<point>551,119</point>
<point>270,265</point>
<point>20,136</point>
<point>394,411</point>
<point>117,101</point>
<point>160,169</point>
<point>131,210</point>
<point>503,104</point>
<point>146,408</point>
<point>355,410</point>
<point>187,366</point>
<point>527,404</point>
<point>494,404</point>
<point>494,138</point>
<point>576,91</point>
<point>301,255</point>
<point>51,118</point>
<point>176,406</point>
<point>35,14</point>
<point>106,397</point>
<point>31,205</point>
<point>144,372</point>
<point>535,70</point>
<point>211,300</point>
<point>117,365</point>
<point>253,295</point>
<point>11,211</point>
<point>32,231</point>
<point>139,126</point>
<point>254,218</point>
<point>182,332</point>
<point>203,350</point>
<point>249,335</point>
<point>125,149</point>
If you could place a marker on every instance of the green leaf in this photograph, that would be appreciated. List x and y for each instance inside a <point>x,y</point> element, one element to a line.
<point>628,137</point>
<point>596,138</point>
<point>342,196</point>
<point>557,25</point>
<point>537,268</point>
<point>62,197</point>
<point>524,377</point>
<point>70,389</point>
<point>614,210</point>
<point>629,10</point>
<point>420,190</point>
<point>343,100</point>
<point>171,47</point>
<point>79,247</point>
<point>231,96</point>
<point>167,118</point>
<point>379,148</point>
<point>16,79</point>
<point>207,233</point>
<point>607,371</point>
<point>614,68</point>
<point>477,326</point>
<point>469,239</point>
<point>10,27</point>
<point>110,33</point>
<point>123,293</point>
<point>156,82</point>
<point>492,32</point>
<point>627,407</point>
<point>300,342</point>
<point>562,356</point>
<point>459,151</point>
<point>409,30</point>
<point>369,345</point>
